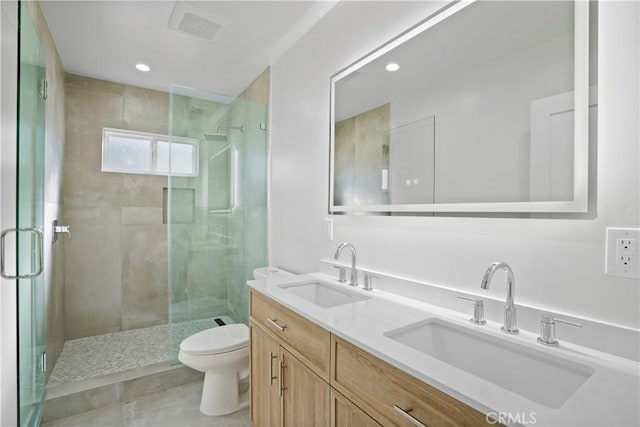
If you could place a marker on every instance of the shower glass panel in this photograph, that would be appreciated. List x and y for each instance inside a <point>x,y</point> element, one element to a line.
<point>30,219</point>
<point>217,219</point>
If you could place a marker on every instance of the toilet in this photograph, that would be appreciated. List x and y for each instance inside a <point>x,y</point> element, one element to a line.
<point>222,353</point>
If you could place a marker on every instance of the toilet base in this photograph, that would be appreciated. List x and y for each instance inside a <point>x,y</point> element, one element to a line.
<point>220,394</point>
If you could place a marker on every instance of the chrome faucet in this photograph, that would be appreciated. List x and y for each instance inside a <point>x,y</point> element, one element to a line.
<point>354,272</point>
<point>510,323</point>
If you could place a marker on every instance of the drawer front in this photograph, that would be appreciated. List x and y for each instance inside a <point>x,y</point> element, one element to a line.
<point>306,340</point>
<point>385,392</point>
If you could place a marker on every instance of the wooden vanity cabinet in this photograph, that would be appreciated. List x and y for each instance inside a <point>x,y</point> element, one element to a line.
<point>305,399</point>
<point>303,338</point>
<point>302,375</point>
<point>390,395</point>
<point>289,367</point>
<point>344,413</point>
<point>264,379</point>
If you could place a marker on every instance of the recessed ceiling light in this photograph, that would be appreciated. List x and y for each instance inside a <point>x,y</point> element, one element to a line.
<point>392,66</point>
<point>143,67</point>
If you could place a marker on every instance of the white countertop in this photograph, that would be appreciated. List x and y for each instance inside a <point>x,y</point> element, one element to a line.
<point>610,397</point>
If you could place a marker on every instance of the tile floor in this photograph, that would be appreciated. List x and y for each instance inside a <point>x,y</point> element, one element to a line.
<point>176,407</point>
<point>100,355</point>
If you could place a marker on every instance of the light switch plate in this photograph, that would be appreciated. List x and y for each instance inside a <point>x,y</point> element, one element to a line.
<point>328,229</point>
<point>621,253</point>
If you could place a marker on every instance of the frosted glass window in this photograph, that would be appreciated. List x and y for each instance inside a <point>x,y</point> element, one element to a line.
<point>179,155</point>
<point>128,154</point>
<point>163,156</point>
<point>145,153</point>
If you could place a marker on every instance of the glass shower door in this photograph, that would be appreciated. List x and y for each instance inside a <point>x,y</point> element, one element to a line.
<point>30,222</point>
<point>218,217</point>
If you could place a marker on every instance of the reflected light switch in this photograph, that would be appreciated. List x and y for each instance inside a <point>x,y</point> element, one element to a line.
<point>385,179</point>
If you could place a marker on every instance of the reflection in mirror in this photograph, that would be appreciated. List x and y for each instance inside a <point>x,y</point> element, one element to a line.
<point>477,110</point>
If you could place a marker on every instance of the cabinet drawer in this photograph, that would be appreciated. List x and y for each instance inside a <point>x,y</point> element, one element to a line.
<point>306,340</point>
<point>383,391</point>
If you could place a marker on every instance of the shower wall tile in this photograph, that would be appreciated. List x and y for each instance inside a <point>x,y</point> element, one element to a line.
<point>144,276</point>
<point>135,388</point>
<point>93,272</point>
<point>92,216</point>
<point>81,402</point>
<point>119,251</point>
<point>116,267</point>
<point>371,134</point>
<point>86,114</point>
<point>146,110</point>
<point>258,90</point>
<point>86,84</point>
<point>203,273</point>
<point>53,275</point>
<point>141,216</point>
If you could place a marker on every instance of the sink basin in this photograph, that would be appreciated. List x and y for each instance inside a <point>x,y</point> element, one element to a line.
<point>323,294</point>
<point>532,374</point>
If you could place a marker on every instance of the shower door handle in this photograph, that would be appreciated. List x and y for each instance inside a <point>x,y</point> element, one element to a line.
<point>39,240</point>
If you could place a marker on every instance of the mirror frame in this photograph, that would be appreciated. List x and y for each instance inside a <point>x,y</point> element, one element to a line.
<point>579,204</point>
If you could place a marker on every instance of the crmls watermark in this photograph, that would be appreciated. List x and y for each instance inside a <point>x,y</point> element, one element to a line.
<point>511,418</point>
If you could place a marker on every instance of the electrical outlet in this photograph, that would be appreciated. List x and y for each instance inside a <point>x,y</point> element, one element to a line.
<point>622,252</point>
<point>626,252</point>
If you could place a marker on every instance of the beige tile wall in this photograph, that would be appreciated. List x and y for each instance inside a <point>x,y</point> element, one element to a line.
<point>116,263</point>
<point>360,157</point>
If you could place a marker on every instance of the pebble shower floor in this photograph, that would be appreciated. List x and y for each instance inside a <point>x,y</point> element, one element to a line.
<point>100,355</point>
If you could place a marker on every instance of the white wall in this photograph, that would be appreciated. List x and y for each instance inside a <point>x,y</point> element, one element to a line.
<point>8,90</point>
<point>558,263</point>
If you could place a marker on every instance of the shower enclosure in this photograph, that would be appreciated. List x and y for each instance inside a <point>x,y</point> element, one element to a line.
<point>216,208</point>
<point>213,206</point>
<point>30,223</point>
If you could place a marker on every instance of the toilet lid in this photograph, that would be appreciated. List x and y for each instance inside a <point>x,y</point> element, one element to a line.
<point>217,340</point>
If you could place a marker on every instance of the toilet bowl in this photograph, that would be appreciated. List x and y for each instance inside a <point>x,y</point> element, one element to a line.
<point>222,353</point>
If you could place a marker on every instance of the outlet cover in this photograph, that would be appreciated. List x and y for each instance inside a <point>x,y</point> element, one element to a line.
<point>621,253</point>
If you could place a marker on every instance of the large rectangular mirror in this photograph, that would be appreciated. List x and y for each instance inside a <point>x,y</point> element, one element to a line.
<point>482,107</point>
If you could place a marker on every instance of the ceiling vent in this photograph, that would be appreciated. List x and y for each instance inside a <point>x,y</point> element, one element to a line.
<point>190,19</point>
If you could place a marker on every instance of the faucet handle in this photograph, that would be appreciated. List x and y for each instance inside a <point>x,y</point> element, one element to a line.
<point>478,310</point>
<point>368,281</point>
<point>342,273</point>
<point>548,329</point>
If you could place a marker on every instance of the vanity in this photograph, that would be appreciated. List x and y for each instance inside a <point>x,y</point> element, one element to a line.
<point>324,353</point>
<point>304,375</point>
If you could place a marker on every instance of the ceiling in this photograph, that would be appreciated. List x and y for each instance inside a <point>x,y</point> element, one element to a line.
<point>105,39</point>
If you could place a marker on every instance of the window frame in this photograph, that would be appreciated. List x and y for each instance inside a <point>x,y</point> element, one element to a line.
<point>152,140</point>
